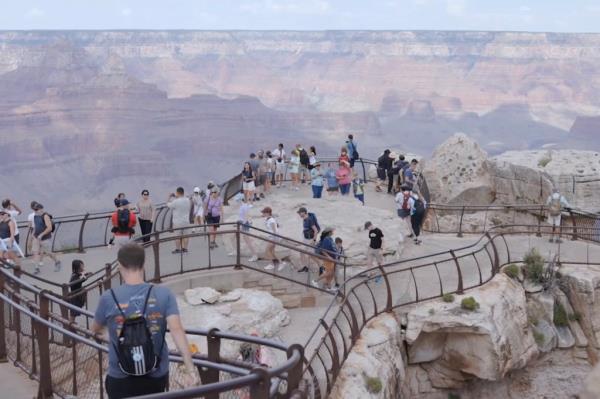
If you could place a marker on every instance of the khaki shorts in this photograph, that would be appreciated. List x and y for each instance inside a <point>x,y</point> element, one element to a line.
<point>376,254</point>
<point>42,246</point>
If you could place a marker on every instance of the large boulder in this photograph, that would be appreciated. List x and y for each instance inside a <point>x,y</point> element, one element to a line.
<point>376,357</point>
<point>486,343</point>
<point>460,172</point>
<point>243,311</point>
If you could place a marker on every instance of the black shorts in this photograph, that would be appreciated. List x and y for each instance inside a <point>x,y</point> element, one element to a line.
<point>213,220</point>
<point>118,388</point>
<point>381,174</point>
<point>332,189</point>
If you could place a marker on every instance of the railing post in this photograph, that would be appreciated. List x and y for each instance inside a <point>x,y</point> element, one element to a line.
<point>64,312</point>
<point>364,170</point>
<point>574,236</point>
<point>156,252</point>
<point>17,313</point>
<point>3,357</point>
<point>496,264</point>
<point>295,374</point>
<point>388,305</point>
<point>85,219</point>
<point>539,228</point>
<point>459,289</point>
<point>45,387</point>
<point>209,375</point>
<point>238,247</point>
<point>260,390</point>
<point>462,213</point>
<point>107,277</point>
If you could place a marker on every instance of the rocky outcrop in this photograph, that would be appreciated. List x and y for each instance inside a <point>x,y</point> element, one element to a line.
<point>242,310</point>
<point>575,173</point>
<point>460,173</point>
<point>453,345</point>
<point>376,358</point>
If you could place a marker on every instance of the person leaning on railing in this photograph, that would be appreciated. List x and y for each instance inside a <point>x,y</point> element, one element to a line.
<point>156,307</point>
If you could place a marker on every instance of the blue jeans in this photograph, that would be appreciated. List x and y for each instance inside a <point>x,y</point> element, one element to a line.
<point>345,189</point>
<point>360,197</point>
<point>317,190</point>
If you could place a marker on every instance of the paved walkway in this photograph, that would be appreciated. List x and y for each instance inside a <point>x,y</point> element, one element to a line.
<point>15,383</point>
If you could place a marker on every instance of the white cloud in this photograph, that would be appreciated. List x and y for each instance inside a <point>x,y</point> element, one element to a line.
<point>319,7</point>
<point>35,13</point>
<point>126,12</point>
<point>456,8</point>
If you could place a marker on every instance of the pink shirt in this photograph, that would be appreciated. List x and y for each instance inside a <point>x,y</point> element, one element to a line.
<point>344,175</point>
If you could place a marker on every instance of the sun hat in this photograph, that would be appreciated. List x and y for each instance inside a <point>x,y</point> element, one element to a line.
<point>196,189</point>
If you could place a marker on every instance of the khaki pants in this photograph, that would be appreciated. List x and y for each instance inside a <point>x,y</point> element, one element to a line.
<point>376,254</point>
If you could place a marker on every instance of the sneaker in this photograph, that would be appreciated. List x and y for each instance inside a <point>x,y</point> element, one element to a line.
<point>262,195</point>
<point>303,270</point>
<point>176,251</point>
<point>333,289</point>
<point>269,267</point>
<point>57,266</point>
<point>281,266</point>
<point>314,283</point>
<point>254,258</point>
<point>36,270</point>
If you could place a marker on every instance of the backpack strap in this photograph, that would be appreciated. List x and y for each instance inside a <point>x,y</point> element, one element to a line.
<point>112,293</point>
<point>146,301</point>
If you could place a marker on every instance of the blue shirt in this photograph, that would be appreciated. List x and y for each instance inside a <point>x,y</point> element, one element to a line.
<point>328,247</point>
<point>161,305</point>
<point>316,177</point>
<point>331,179</point>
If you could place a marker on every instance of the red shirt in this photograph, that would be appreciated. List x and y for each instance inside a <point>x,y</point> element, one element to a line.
<point>115,222</point>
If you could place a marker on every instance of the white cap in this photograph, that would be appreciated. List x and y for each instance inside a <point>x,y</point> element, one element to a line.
<point>196,189</point>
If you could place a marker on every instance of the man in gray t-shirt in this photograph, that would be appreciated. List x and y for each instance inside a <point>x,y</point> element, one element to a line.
<point>161,312</point>
<point>181,206</point>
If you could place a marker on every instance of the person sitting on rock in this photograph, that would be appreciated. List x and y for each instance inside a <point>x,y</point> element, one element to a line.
<point>555,203</point>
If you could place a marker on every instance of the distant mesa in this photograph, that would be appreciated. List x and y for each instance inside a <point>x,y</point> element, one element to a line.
<point>420,110</point>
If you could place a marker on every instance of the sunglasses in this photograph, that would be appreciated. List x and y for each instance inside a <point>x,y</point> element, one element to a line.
<point>145,194</point>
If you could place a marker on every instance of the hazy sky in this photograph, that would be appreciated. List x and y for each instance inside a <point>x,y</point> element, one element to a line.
<point>519,15</point>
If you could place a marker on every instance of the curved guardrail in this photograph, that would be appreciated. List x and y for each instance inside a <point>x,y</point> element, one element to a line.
<point>405,282</point>
<point>67,359</point>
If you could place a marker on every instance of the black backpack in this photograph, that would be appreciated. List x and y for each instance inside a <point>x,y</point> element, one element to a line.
<point>310,233</point>
<point>135,351</point>
<point>304,160</point>
<point>123,221</point>
<point>51,222</point>
<point>419,207</point>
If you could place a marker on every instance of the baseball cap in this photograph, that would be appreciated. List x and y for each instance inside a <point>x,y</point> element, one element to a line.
<point>196,189</point>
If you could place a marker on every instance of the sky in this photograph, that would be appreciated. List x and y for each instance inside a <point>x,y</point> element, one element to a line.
<point>499,15</point>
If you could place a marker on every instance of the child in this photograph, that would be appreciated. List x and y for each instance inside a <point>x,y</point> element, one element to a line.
<point>358,187</point>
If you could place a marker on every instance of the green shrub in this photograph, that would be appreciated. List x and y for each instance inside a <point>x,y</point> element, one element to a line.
<point>373,384</point>
<point>560,318</point>
<point>539,338</point>
<point>534,266</point>
<point>543,162</point>
<point>469,303</point>
<point>448,298</point>
<point>575,317</point>
<point>512,271</point>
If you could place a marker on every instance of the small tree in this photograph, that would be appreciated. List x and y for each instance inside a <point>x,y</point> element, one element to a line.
<point>534,266</point>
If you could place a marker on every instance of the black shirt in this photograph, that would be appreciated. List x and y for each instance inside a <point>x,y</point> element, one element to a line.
<point>375,235</point>
<point>384,162</point>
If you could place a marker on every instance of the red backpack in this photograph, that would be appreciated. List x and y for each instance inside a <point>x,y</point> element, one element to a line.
<point>405,204</point>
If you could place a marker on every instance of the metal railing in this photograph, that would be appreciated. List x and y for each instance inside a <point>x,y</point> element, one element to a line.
<point>68,360</point>
<point>398,284</point>
<point>478,219</point>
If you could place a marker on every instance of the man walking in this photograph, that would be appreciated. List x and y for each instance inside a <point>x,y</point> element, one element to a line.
<point>409,175</point>
<point>404,206</point>
<point>136,306</point>
<point>310,232</point>
<point>555,203</point>
<point>181,208</point>
<point>43,226</point>
<point>352,150</point>
<point>272,227</point>
<point>375,251</point>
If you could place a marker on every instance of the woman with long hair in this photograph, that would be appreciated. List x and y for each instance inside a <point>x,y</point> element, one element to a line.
<point>248,179</point>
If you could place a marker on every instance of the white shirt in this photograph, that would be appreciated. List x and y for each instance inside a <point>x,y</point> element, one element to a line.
<point>271,224</point>
<point>243,212</point>
<point>400,201</point>
<point>13,215</point>
<point>277,153</point>
<point>181,210</point>
<point>555,196</point>
<point>30,218</point>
